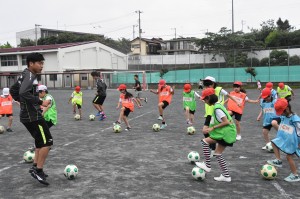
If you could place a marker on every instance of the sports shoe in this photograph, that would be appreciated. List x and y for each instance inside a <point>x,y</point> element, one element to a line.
<point>160,118</point>
<point>292,178</point>
<point>128,129</point>
<point>238,137</point>
<point>163,126</point>
<point>9,130</point>
<point>222,178</point>
<point>102,117</point>
<point>203,166</point>
<point>40,176</point>
<point>98,114</point>
<point>275,162</point>
<point>146,99</point>
<point>116,122</point>
<point>34,168</point>
<point>264,148</point>
<point>189,123</point>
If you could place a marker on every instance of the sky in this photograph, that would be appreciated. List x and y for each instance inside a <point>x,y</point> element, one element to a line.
<point>159,18</point>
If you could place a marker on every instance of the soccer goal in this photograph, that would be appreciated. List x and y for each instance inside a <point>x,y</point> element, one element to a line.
<point>112,78</point>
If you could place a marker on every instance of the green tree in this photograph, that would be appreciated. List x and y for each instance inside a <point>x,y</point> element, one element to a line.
<point>7,45</point>
<point>252,72</point>
<point>252,62</point>
<point>295,60</point>
<point>162,72</point>
<point>278,58</point>
<point>26,42</point>
<point>283,25</point>
<point>264,61</point>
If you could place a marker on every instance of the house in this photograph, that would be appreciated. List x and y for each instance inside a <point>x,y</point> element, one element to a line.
<point>148,46</point>
<point>179,46</point>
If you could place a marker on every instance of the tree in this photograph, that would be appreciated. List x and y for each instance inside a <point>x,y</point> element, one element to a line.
<point>283,26</point>
<point>264,61</point>
<point>278,58</point>
<point>7,45</point>
<point>294,60</point>
<point>162,72</point>
<point>26,42</point>
<point>252,62</point>
<point>252,72</point>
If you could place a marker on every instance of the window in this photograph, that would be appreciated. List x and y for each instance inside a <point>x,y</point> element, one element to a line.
<point>53,77</point>
<point>9,60</point>
<point>83,77</point>
<point>135,46</point>
<point>24,63</point>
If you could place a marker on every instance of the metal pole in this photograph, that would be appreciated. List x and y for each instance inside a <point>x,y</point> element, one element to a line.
<point>232,16</point>
<point>36,26</point>
<point>140,30</point>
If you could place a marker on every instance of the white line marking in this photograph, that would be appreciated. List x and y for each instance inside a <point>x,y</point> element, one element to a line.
<point>281,190</point>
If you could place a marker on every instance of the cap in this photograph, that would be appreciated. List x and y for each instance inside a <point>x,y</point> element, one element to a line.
<point>238,83</point>
<point>162,82</point>
<point>5,91</point>
<point>269,85</point>
<point>280,105</point>
<point>210,78</point>
<point>122,87</point>
<point>42,88</point>
<point>207,92</point>
<point>281,85</point>
<point>266,92</point>
<point>77,88</point>
<point>187,88</point>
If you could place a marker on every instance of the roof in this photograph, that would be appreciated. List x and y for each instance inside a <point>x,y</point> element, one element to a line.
<point>42,47</point>
<point>153,40</point>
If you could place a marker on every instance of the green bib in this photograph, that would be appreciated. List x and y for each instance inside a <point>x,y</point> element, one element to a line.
<point>209,109</point>
<point>189,100</point>
<point>51,113</point>
<point>77,98</point>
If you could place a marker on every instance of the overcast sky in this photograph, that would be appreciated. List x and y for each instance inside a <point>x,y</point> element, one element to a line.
<point>159,18</point>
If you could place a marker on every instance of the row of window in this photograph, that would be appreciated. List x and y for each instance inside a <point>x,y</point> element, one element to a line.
<point>12,60</point>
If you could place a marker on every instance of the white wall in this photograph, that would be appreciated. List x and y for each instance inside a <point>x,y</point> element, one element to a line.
<point>28,34</point>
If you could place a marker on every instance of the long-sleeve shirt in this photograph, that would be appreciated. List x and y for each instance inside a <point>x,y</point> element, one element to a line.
<point>101,87</point>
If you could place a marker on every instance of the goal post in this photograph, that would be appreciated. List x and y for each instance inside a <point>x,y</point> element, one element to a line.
<point>124,77</point>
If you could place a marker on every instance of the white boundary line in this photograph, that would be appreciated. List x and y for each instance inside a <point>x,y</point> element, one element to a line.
<point>281,190</point>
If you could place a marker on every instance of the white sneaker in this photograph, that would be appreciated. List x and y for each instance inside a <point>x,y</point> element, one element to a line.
<point>212,153</point>
<point>203,166</point>
<point>264,148</point>
<point>222,179</point>
<point>238,137</point>
<point>160,118</point>
<point>163,126</point>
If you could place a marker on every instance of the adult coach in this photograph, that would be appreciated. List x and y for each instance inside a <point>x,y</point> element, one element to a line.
<point>100,95</point>
<point>138,91</point>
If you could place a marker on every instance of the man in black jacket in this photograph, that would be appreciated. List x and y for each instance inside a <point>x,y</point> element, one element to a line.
<point>31,116</point>
<point>100,95</point>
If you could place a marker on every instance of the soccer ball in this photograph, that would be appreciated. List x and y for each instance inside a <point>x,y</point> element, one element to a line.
<point>117,128</point>
<point>2,129</point>
<point>190,130</point>
<point>198,173</point>
<point>92,117</point>
<point>193,157</point>
<point>156,127</point>
<point>71,171</point>
<point>268,172</point>
<point>77,117</point>
<point>269,147</point>
<point>28,156</point>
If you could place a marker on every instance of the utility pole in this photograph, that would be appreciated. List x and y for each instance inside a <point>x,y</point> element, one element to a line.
<point>140,30</point>
<point>36,26</point>
<point>133,31</point>
<point>175,32</point>
<point>243,23</point>
<point>232,16</point>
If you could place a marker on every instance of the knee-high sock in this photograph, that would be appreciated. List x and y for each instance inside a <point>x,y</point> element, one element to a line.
<point>206,153</point>
<point>222,164</point>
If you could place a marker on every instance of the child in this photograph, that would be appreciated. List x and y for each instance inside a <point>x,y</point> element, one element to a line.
<point>221,130</point>
<point>76,98</point>
<point>284,91</point>
<point>165,94</point>
<point>239,94</point>
<point>258,85</point>
<point>49,112</point>
<point>287,139</point>
<point>126,100</point>
<point>6,107</point>
<point>269,117</point>
<point>189,103</point>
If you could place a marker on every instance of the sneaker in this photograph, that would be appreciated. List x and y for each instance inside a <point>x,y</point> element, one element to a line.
<point>117,122</point>
<point>275,162</point>
<point>128,129</point>
<point>264,148</point>
<point>160,118</point>
<point>222,178</point>
<point>40,177</point>
<point>34,168</point>
<point>163,126</point>
<point>146,99</point>
<point>102,118</point>
<point>203,166</point>
<point>141,106</point>
<point>9,130</point>
<point>74,112</point>
<point>189,123</point>
<point>292,178</point>
<point>98,114</point>
<point>238,137</point>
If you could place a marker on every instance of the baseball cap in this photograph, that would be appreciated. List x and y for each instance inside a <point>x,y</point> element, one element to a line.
<point>207,92</point>
<point>162,82</point>
<point>122,87</point>
<point>238,83</point>
<point>5,91</point>
<point>281,85</point>
<point>265,93</point>
<point>42,88</point>
<point>77,88</point>
<point>269,85</point>
<point>280,105</point>
<point>210,78</point>
<point>187,88</point>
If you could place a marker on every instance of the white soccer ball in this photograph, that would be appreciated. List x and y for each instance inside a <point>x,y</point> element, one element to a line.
<point>269,147</point>
<point>2,129</point>
<point>156,127</point>
<point>77,117</point>
<point>268,172</point>
<point>191,130</point>
<point>193,157</point>
<point>71,171</point>
<point>28,156</point>
<point>92,117</point>
<point>117,128</point>
<point>198,173</point>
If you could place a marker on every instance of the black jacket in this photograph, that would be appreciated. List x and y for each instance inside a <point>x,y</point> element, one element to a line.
<point>101,87</point>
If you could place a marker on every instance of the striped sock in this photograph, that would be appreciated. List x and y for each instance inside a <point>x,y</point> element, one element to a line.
<point>222,164</point>
<point>206,153</point>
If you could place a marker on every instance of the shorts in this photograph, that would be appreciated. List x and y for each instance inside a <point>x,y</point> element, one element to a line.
<point>222,142</point>
<point>191,112</point>
<point>126,111</point>
<point>39,130</point>
<point>270,125</point>
<point>207,120</point>
<point>165,104</point>
<point>288,98</point>
<point>237,116</point>
<point>99,99</point>
<point>49,124</point>
<point>78,106</point>
<point>7,115</point>
<point>138,94</point>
